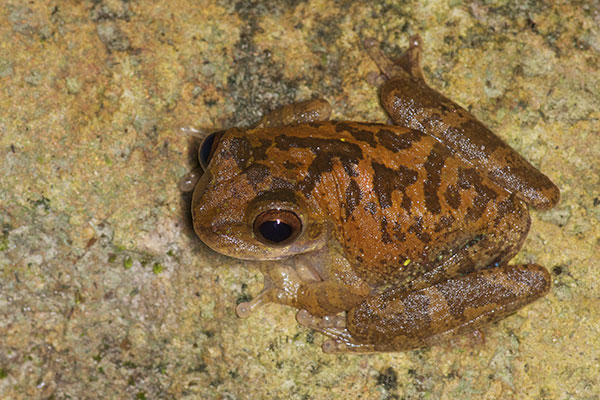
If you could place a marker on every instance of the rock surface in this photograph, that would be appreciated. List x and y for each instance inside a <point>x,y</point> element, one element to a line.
<point>106,293</point>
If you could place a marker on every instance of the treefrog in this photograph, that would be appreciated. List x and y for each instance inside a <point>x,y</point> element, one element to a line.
<point>385,237</point>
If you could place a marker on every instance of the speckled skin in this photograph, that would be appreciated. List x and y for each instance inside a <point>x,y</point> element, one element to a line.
<point>407,229</point>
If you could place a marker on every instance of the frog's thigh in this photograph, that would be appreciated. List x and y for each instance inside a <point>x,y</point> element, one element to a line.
<point>329,297</point>
<point>413,104</point>
<point>396,321</point>
<point>496,245</point>
<point>297,113</point>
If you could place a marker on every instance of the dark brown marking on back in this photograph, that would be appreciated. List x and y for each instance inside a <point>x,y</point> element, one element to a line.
<point>279,195</point>
<point>326,152</point>
<point>357,133</point>
<point>444,222</point>
<point>260,152</point>
<point>256,174</point>
<point>240,150</point>
<point>387,180</point>
<point>433,165</point>
<point>470,177</point>
<point>371,207</point>
<point>373,124</point>
<point>396,142</point>
<point>417,230</point>
<point>279,183</point>
<point>385,236</point>
<point>349,168</point>
<point>503,208</point>
<point>398,234</point>
<point>353,197</point>
<point>287,164</point>
<point>446,109</point>
<point>452,196</point>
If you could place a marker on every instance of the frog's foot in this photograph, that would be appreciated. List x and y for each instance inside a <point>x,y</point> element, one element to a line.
<point>318,323</point>
<point>268,295</point>
<point>346,345</point>
<point>193,132</point>
<point>188,182</point>
<point>408,63</point>
<point>478,337</point>
<point>333,326</point>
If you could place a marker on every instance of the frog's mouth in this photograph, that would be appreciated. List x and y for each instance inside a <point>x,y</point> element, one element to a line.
<point>219,238</point>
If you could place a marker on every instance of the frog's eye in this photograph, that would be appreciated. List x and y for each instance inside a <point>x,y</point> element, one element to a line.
<point>207,148</point>
<point>277,227</point>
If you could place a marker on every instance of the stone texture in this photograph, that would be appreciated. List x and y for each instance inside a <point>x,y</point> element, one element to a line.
<point>105,292</point>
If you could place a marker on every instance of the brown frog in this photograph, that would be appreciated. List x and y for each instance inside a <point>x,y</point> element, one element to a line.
<point>385,237</point>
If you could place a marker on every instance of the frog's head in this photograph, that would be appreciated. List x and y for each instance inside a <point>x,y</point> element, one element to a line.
<point>246,204</point>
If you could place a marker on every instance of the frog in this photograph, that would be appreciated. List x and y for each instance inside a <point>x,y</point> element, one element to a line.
<point>384,236</point>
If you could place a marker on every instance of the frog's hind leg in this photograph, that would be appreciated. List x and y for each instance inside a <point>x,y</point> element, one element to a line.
<point>334,327</point>
<point>410,102</point>
<point>408,64</point>
<point>495,242</point>
<point>396,320</point>
<point>297,113</point>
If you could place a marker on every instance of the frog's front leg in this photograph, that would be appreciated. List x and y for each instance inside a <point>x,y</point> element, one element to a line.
<point>395,320</point>
<point>297,113</point>
<point>412,103</point>
<point>300,287</point>
<point>281,285</point>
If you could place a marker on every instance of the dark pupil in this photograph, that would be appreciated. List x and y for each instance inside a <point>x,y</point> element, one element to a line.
<point>275,231</point>
<point>206,148</point>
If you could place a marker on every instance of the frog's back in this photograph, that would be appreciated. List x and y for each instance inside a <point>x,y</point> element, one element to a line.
<point>400,194</point>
